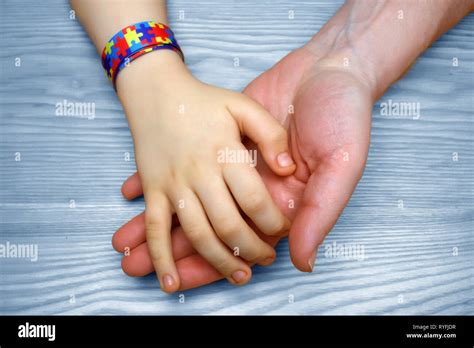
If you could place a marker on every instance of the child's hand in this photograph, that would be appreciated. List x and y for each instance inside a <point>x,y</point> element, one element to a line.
<point>192,162</point>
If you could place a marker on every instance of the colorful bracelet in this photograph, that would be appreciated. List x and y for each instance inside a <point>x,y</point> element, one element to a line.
<point>134,41</point>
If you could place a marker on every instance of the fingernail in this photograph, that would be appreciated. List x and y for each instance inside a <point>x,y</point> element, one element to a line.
<point>311,260</point>
<point>284,159</point>
<point>239,276</point>
<point>168,281</point>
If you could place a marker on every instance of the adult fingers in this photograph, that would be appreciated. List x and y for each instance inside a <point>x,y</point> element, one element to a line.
<point>137,262</point>
<point>130,235</point>
<point>133,233</point>
<point>132,187</point>
<point>326,194</point>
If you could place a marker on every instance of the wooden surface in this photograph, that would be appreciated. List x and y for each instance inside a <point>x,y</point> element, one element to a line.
<point>419,257</point>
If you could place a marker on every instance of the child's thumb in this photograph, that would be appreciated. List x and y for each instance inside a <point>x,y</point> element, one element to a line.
<point>263,129</point>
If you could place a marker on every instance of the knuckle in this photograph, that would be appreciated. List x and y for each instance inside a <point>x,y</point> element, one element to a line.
<point>228,227</point>
<point>153,227</point>
<point>195,167</point>
<point>254,201</point>
<point>157,258</point>
<point>278,226</point>
<point>195,234</point>
<point>225,265</point>
<point>261,252</point>
<point>253,259</point>
<point>277,135</point>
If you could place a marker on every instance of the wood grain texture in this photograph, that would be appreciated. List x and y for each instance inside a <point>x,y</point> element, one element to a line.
<point>411,264</point>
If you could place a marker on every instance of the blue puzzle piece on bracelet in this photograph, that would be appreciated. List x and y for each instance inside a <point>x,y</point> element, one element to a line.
<point>144,29</point>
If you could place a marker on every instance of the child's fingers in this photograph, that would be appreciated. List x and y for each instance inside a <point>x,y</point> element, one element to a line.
<point>194,271</point>
<point>158,236</point>
<point>270,136</point>
<point>201,235</point>
<point>229,224</point>
<point>252,196</point>
<point>133,233</point>
<point>137,263</point>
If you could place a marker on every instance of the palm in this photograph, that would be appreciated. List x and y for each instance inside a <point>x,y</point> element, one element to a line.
<point>329,135</point>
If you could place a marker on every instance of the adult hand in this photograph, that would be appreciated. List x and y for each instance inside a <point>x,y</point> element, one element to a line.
<point>330,84</point>
<point>327,110</point>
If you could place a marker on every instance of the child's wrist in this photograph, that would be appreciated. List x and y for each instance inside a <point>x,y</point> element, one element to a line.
<point>158,68</point>
<point>149,87</point>
<point>156,76</point>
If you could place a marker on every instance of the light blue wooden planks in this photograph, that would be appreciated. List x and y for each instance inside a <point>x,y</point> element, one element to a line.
<point>412,212</point>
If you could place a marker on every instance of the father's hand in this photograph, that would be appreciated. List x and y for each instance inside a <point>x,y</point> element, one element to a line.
<point>327,110</point>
